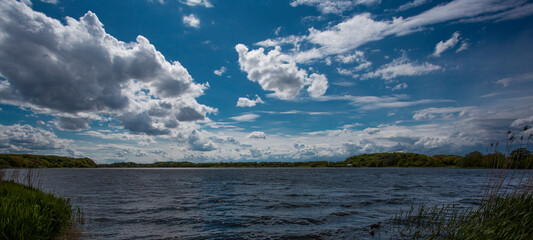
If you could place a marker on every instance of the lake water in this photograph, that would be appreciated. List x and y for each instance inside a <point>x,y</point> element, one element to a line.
<point>254,203</point>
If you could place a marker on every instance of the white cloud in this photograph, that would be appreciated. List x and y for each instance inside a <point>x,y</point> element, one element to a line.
<point>357,56</point>
<point>292,40</point>
<point>245,102</point>
<point>257,135</point>
<point>522,122</point>
<point>515,11</point>
<point>378,102</point>
<point>278,73</point>
<point>333,6</point>
<point>504,82</point>
<point>72,124</point>
<point>191,21</point>
<point>412,4</point>
<point>349,34</point>
<point>443,113</point>
<point>77,72</point>
<point>220,71</point>
<point>198,142</point>
<point>278,30</point>
<point>399,87</point>
<point>401,67</point>
<point>248,117</point>
<point>363,28</point>
<point>25,138</point>
<point>464,46</point>
<point>194,3</point>
<point>50,1</point>
<point>343,84</point>
<point>445,45</point>
<point>318,85</point>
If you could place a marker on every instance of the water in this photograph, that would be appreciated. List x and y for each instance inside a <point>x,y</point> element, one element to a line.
<point>253,203</point>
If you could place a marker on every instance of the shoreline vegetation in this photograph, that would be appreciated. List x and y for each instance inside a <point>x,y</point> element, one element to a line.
<point>395,159</point>
<point>505,209</point>
<point>29,213</point>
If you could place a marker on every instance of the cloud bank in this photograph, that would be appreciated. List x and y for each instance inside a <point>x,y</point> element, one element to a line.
<point>78,73</point>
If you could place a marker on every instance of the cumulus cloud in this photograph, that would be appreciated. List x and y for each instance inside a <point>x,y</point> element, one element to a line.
<point>187,114</point>
<point>73,124</point>
<point>198,142</point>
<point>278,73</point>
<point>193,3</point>
<point>220,71</point>
<point>256,135</point>
<point>245,102</point>
<point>333,6</point>
<point>25,138</point>
<point>445,45</point>
<point>248,117</point>
<point>78,72</point>
<point>191,21</point>
<point>401,67</point>
<point>318,85</point>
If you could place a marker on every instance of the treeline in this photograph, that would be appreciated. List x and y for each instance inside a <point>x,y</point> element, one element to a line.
<point>519,158</point>
<point>43,161</point>
<point>225,164</point>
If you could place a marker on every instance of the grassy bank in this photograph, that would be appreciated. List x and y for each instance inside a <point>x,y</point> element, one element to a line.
<point>28,213</point>
<point>505,210</point>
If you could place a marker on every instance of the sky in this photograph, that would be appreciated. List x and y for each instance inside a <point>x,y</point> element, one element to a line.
<point>296,80</point>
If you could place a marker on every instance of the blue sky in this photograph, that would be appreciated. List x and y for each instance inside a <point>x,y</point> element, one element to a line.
<point>296,80</point>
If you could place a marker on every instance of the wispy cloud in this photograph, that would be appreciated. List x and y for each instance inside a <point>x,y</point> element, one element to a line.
<point>445,45</point>
<point>247,117</point>
<point>401,67</point>
<point>193,3</point>
<point>442,113</point>
<point>333,6</point>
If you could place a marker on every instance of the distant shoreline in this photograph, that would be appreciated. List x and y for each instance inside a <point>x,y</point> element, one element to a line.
<point>472,160</point>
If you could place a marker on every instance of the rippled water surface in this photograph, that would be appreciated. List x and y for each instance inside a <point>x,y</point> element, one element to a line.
<point>253,203</point>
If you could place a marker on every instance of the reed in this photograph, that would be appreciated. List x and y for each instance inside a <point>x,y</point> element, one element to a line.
<point>505,210</point>
<point>28,213</point>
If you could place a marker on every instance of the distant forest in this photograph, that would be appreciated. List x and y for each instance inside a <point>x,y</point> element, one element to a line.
<point>43,161</point>
<point>519,158</point>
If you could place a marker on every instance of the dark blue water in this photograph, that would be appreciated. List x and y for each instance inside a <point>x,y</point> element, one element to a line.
<point>253,203</point>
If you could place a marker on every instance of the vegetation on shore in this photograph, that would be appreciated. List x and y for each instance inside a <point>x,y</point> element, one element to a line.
<point>28,213</point>
<point>43,161</point>
<point>505,210</point>
<point>395,159</point>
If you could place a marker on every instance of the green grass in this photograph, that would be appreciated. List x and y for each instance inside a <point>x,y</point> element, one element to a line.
<point>503,217</point>
<point>504,212</point>
<point>28,213</point>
